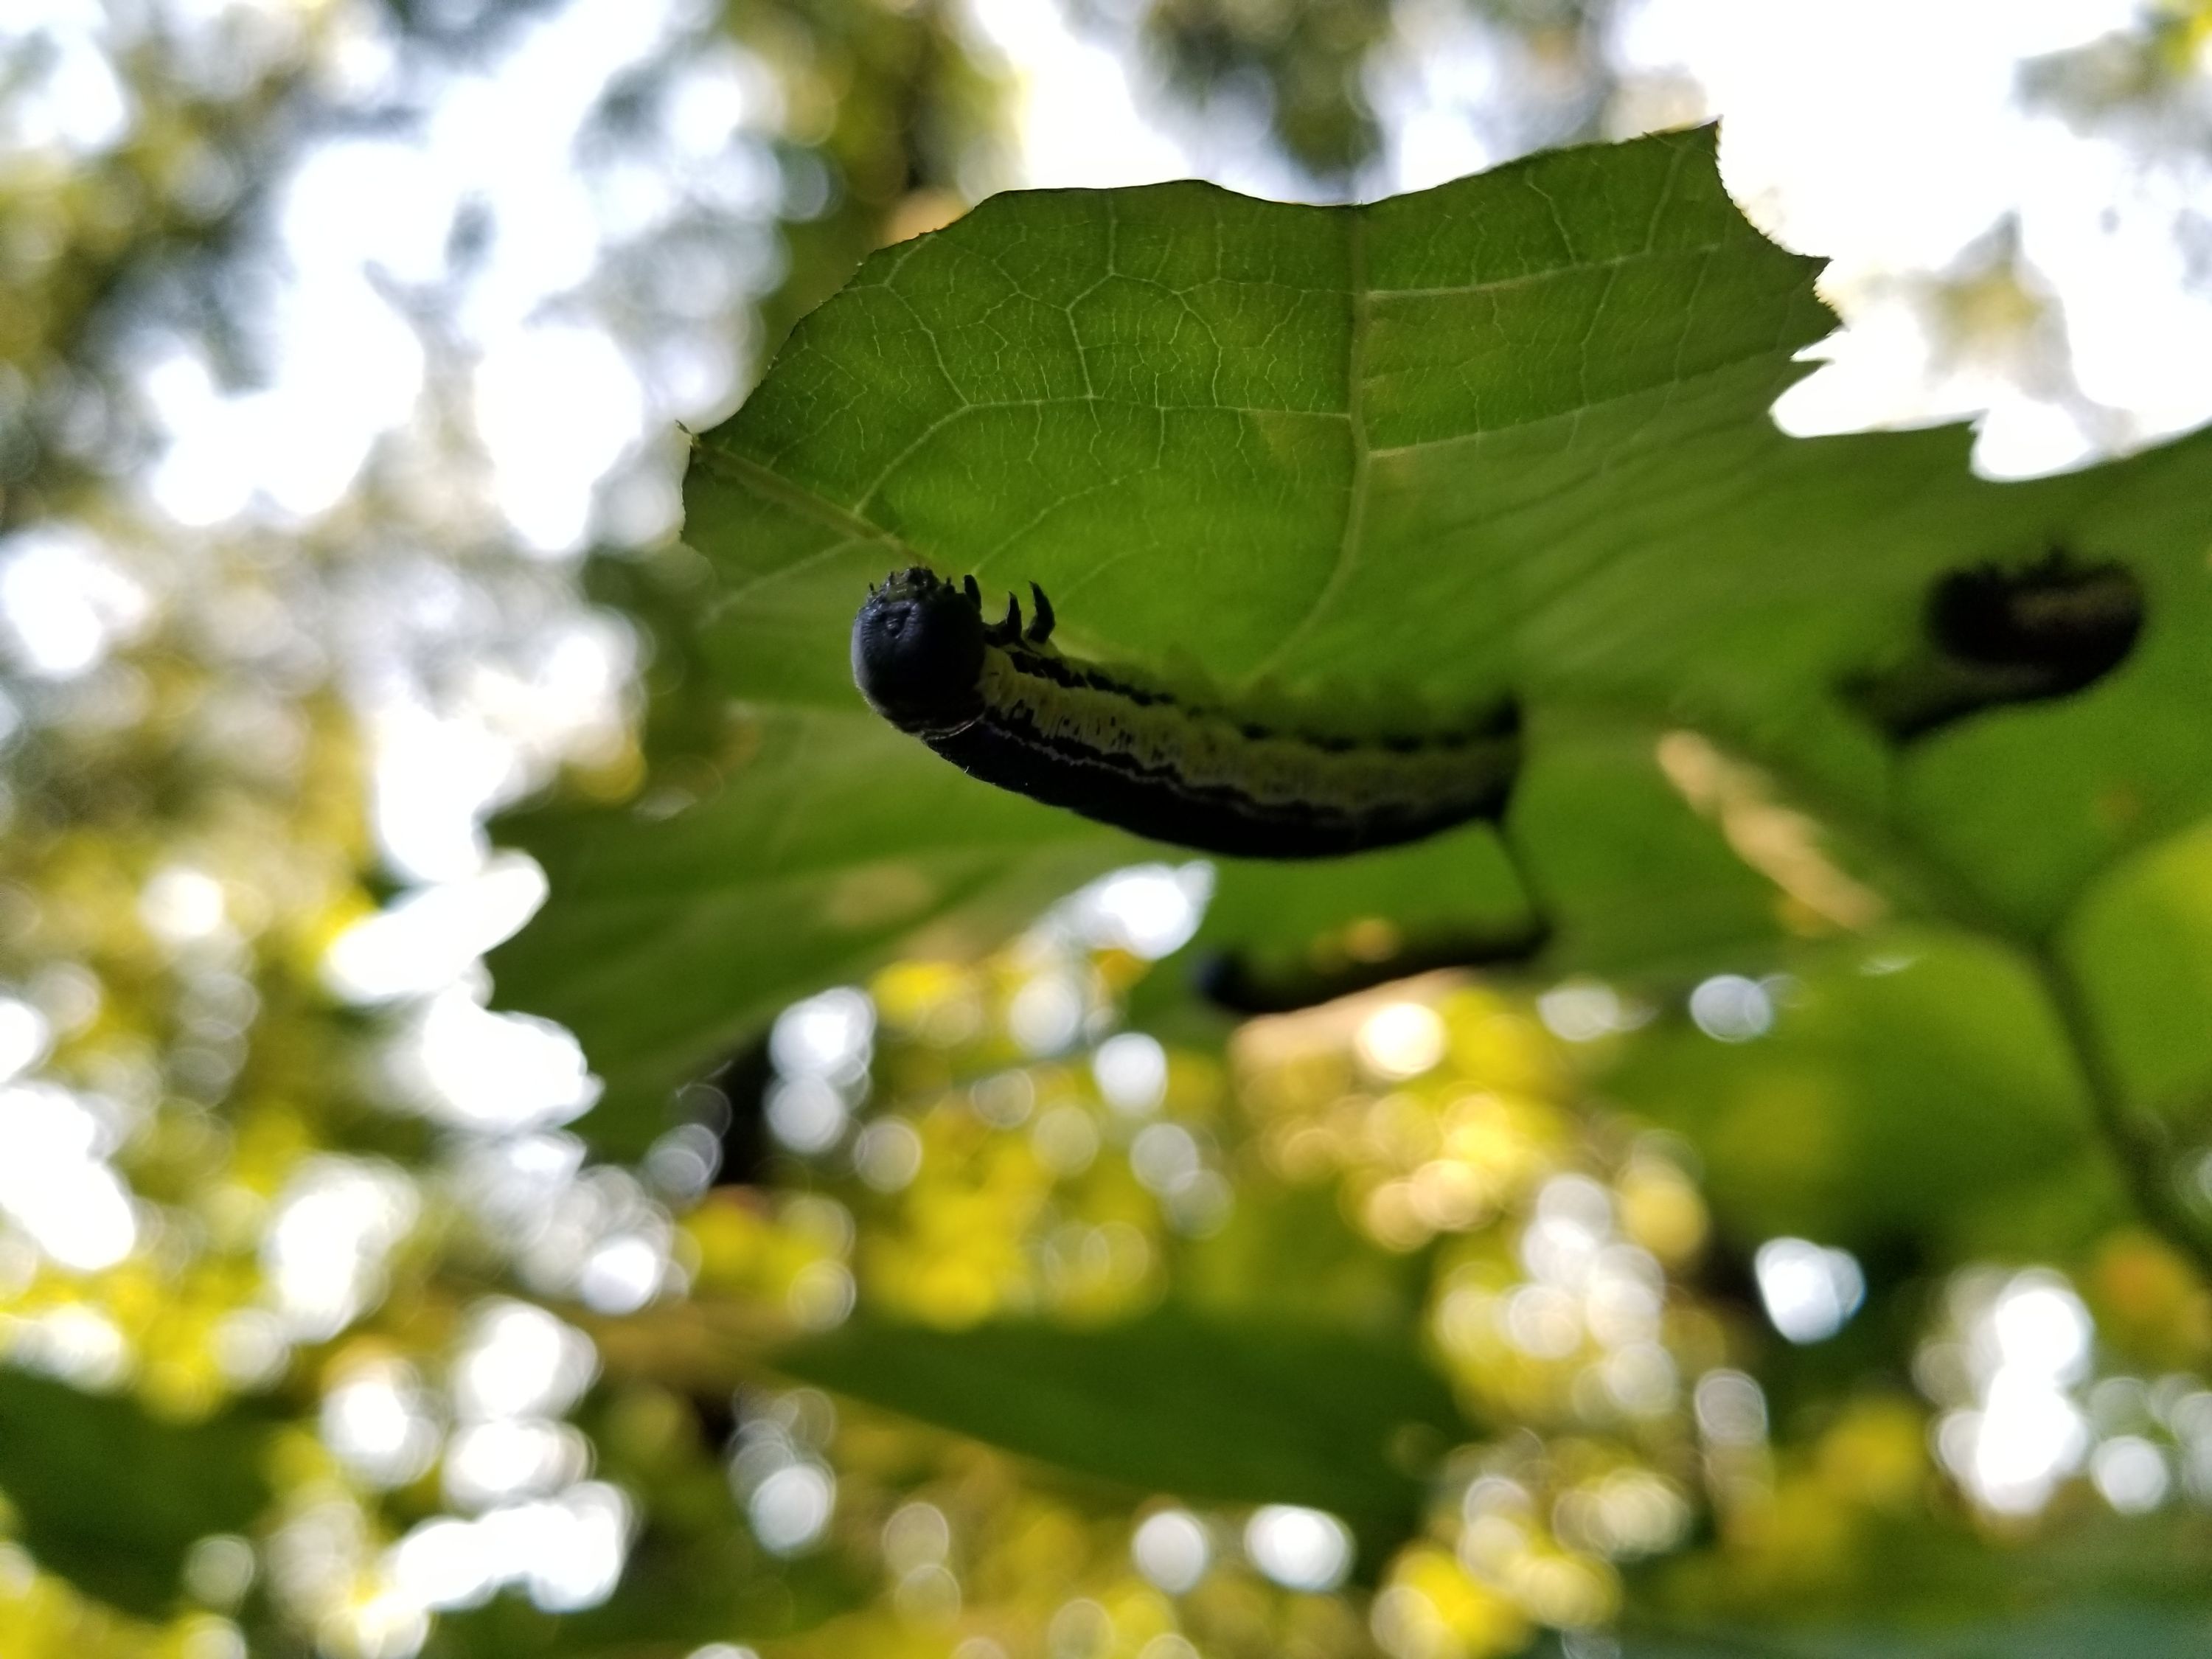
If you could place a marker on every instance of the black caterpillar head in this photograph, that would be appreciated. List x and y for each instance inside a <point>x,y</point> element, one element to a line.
<point>918,652</point>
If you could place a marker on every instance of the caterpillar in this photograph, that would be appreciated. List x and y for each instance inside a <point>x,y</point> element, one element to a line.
<point>999,701</point>
<point>1997,635</point>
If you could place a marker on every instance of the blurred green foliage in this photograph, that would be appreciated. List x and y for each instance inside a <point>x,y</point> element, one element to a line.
<point>59,1448</point>
<point>1021,1357</point>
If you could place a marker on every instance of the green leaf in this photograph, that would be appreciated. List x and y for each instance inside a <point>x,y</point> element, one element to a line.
<point>2142,941</point>
<point>687,933</point>
<point>2068,1632</point>
<point>2083,1582</point>
<point>1913,1089</point>
<point>111,1498</point>
<point>1508,434</point>
<point>1206,1406</point>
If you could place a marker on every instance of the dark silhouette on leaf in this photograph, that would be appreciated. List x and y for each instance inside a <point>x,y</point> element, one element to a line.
<point>1997,636</point>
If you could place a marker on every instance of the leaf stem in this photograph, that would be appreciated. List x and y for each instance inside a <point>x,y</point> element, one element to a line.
<point>2139,1142</point>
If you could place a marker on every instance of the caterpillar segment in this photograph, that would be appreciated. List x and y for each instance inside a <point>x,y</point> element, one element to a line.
<point>1996,634</point>
<point>999,701</point>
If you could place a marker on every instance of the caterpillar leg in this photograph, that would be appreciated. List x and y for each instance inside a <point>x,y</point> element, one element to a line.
<point>1040,630</point>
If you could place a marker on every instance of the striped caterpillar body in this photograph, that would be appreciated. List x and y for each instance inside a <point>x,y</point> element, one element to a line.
<point>1000,703</point>
<point>1997,634</point>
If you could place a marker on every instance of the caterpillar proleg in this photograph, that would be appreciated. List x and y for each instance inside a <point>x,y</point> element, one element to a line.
<point>999,701</point>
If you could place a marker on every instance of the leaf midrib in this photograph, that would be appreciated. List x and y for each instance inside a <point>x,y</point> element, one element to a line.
<point>1361,299</point>
<point>858,529</point>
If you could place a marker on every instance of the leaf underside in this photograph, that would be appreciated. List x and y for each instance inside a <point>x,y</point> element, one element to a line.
<point>1510,433</point>
<point>1206,1409</point>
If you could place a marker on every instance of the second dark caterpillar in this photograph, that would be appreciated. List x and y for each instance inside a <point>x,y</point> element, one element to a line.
<point>1999,634</point>
<point>1000,703</point>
